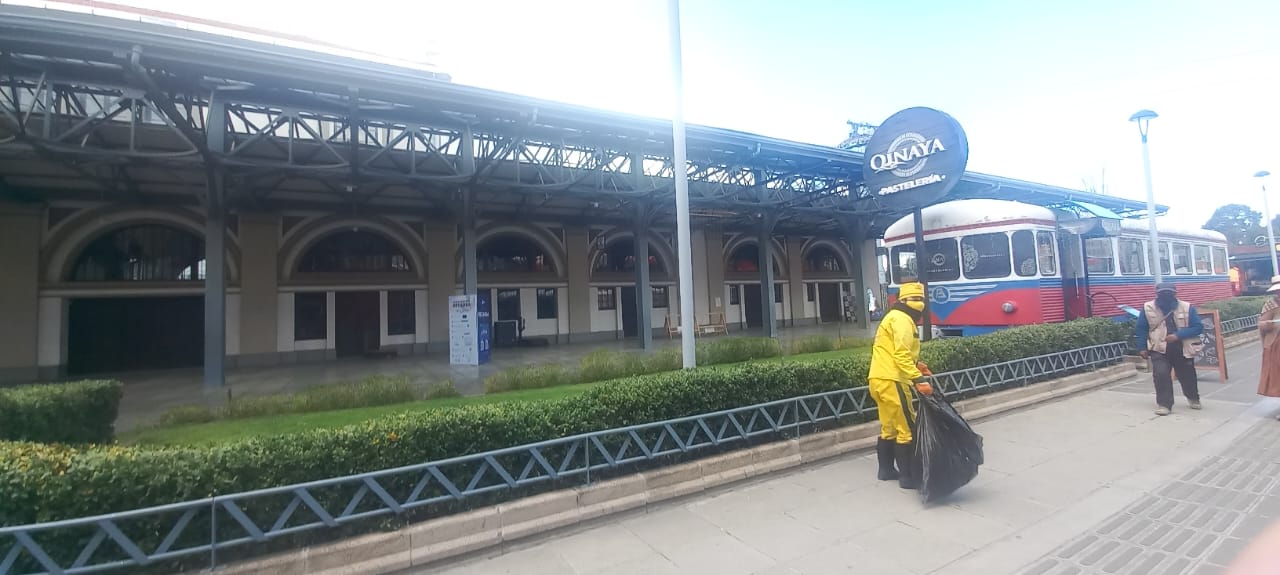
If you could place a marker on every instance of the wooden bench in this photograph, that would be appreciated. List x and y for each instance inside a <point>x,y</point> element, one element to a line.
<point>714,324</point>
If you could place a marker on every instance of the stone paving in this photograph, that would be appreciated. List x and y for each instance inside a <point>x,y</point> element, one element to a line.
<point>1093,483</point>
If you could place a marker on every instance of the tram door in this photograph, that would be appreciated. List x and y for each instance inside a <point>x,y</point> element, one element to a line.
<point>1075,277</point>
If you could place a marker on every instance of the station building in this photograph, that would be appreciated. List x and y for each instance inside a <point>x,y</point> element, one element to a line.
<point>173,200</point>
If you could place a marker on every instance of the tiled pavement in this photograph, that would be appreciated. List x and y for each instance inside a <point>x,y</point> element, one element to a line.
<point>1093,483</point>
<point>1197,523</point>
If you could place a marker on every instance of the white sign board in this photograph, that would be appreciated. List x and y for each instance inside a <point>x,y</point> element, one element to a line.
<point>463,343</point>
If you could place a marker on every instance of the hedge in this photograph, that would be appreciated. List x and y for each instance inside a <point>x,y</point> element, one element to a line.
<point>1237,307</point>
<point>49,482</point>
<point>79,412</point>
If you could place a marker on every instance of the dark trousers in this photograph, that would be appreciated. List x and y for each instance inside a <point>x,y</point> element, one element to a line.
<point>1172,360</point>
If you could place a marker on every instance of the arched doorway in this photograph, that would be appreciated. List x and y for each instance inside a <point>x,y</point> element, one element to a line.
<point>519,270</point>
<point>354,255</point>
<point>823,262</point>
<point>744,264</point>
<point>613,267</point>
<point>127,330</point>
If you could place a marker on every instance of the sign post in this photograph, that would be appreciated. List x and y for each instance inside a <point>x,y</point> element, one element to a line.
<point>468,330</point>
<point>914,159</point>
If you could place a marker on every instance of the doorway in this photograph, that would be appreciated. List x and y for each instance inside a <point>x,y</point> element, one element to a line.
<point>124,334</point>
<point>829,302</point>
<point>751,305</point>
<point>630,315</point>
<point>1075,280</point>
<point>357,323</point>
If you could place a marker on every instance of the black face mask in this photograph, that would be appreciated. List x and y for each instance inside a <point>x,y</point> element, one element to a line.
<point>1166,300</point>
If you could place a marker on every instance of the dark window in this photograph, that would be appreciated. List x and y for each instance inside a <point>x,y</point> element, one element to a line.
<point>1204,264</point>
<point>1131,256</point>
<point>1164,259</point>
<point>659,296</point>
<point>620,257</point>
<point>354,252</point>
<point>1182,259</point>
<point>985,256</point>
<point>400,313</point>
<point>145,253</point>
<point>777,293</point>
<point>1100,256</point>
<point>734,297</point>
<point>1219,261</point>
<point>508,304</point>
<point>809,290</point>
<point>1045,248</point>
<point>511,253</point>
<point>1024,253</point>
<point>310,312</point>
<point>822,259</point>
<point>746,258</point>
<point>606,299</point>
<point>547,303</point>
<point>944,261</point>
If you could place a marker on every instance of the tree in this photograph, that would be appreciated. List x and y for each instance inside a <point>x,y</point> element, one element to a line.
<point>1240,223</point>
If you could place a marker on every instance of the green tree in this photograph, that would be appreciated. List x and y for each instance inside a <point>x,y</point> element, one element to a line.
<point>1240,223</point>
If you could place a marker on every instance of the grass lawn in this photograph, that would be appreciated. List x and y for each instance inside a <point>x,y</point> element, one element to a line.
<point>232,429</point>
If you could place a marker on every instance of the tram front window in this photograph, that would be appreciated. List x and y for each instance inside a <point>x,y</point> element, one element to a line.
<point>943,263</point>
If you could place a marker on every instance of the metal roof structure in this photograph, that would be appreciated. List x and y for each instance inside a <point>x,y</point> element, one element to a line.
<point>109,109</point>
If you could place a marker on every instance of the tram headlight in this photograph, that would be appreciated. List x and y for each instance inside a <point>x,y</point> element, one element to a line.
<point>1009,307</point>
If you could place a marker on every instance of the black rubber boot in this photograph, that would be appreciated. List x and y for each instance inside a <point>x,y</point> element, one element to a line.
<point>905,453</point>
<point>884,454</point>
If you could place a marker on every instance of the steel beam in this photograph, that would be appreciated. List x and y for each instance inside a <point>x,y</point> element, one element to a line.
<point>470,281</point>
<point>644,292</point>
<point>215,260</point>
<point>768,308</point>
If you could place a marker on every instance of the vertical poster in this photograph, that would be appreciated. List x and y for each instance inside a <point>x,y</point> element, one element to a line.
<point>463,335</point>
<point>1212,355</point>
<point>483,324</point>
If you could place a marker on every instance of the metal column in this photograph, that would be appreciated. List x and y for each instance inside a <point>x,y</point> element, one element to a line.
<point>470,283</point>
<point>769,309</point>
<point>922,275</point>
<point>215,256</point>
<point>855,233</point>
<point>644,293</point>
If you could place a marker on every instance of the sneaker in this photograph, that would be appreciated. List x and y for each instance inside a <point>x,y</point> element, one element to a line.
<point>1163,411</point>
<point>1195,404</point>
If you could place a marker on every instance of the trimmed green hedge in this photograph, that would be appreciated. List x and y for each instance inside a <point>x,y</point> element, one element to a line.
<point>1237,307</point>
<point>78,412</point>
<point>46,482</point>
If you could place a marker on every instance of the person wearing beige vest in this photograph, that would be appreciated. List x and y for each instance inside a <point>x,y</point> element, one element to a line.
<point>1168,333</point>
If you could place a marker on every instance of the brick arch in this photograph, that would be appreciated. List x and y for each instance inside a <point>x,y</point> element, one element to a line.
<point>308,233</point>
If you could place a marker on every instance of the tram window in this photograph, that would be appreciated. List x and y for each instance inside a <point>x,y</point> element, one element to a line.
<point>1204,265</point>
<point>1164,259</point>
<point>1131,256</point>
<point>1100,256</point>
<point>1045,249</point>
<point>1024,253</point>
<point>985,256</point>
<point>1182,259</point>
<point>1220,261</point>
<point>944,261</point>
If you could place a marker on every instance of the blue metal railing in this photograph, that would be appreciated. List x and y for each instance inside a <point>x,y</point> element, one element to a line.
<point>207,526</point>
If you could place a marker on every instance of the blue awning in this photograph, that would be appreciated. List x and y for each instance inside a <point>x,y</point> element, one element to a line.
<point>1084,209</point>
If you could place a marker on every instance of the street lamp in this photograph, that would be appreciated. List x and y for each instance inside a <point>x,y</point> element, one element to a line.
<point>1266,208</point>
<point>1143,119</point>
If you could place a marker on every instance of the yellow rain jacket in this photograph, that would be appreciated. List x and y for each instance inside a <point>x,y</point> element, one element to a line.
<point>896,350</point>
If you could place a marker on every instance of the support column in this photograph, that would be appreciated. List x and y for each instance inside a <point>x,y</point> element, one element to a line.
<point>215,254</point>
<point>769,313</point>
<point>259,298</point>
<point>856,233</point>
<point>577,248</point>
<point>795,276</point>
<point>469,279</point>
<point>215,284</point>
<point>644,293</point>
<point>702,302</point>
<point>442,281</point>
<point>20,228</point>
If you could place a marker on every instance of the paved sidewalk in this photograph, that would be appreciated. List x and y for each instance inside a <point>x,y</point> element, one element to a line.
<point>1094,483</point>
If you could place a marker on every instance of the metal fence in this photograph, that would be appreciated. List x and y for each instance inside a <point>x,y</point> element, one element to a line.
<point>1239,325</point>
<point>205,527</point>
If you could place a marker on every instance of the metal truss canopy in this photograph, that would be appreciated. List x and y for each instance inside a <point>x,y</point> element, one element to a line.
<point>123,108</point>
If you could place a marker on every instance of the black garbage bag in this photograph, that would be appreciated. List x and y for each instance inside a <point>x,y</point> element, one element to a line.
<point>949,450</point>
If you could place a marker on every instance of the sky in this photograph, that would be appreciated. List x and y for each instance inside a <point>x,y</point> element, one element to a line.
<point>1043,89</point>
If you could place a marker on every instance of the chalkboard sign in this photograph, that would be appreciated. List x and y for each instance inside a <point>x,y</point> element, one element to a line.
<point>1211,354</point>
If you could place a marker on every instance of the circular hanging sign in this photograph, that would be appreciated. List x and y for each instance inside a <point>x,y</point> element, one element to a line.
<point>915,158</point>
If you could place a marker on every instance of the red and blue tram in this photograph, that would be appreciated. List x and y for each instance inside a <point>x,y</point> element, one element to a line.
<point>997,263</point>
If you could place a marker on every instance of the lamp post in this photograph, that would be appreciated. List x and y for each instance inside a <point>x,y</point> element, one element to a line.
<point>1143,119</point>
<point>680,171</point>
<point>1266,209</point>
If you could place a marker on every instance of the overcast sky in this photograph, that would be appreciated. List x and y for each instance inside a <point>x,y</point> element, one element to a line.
<point>1043,89</point>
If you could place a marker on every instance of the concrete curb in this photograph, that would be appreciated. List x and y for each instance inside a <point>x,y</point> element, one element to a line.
<point>438,539</point>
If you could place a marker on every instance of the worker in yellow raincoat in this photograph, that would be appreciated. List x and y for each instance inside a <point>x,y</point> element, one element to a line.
<point>895,365</point>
